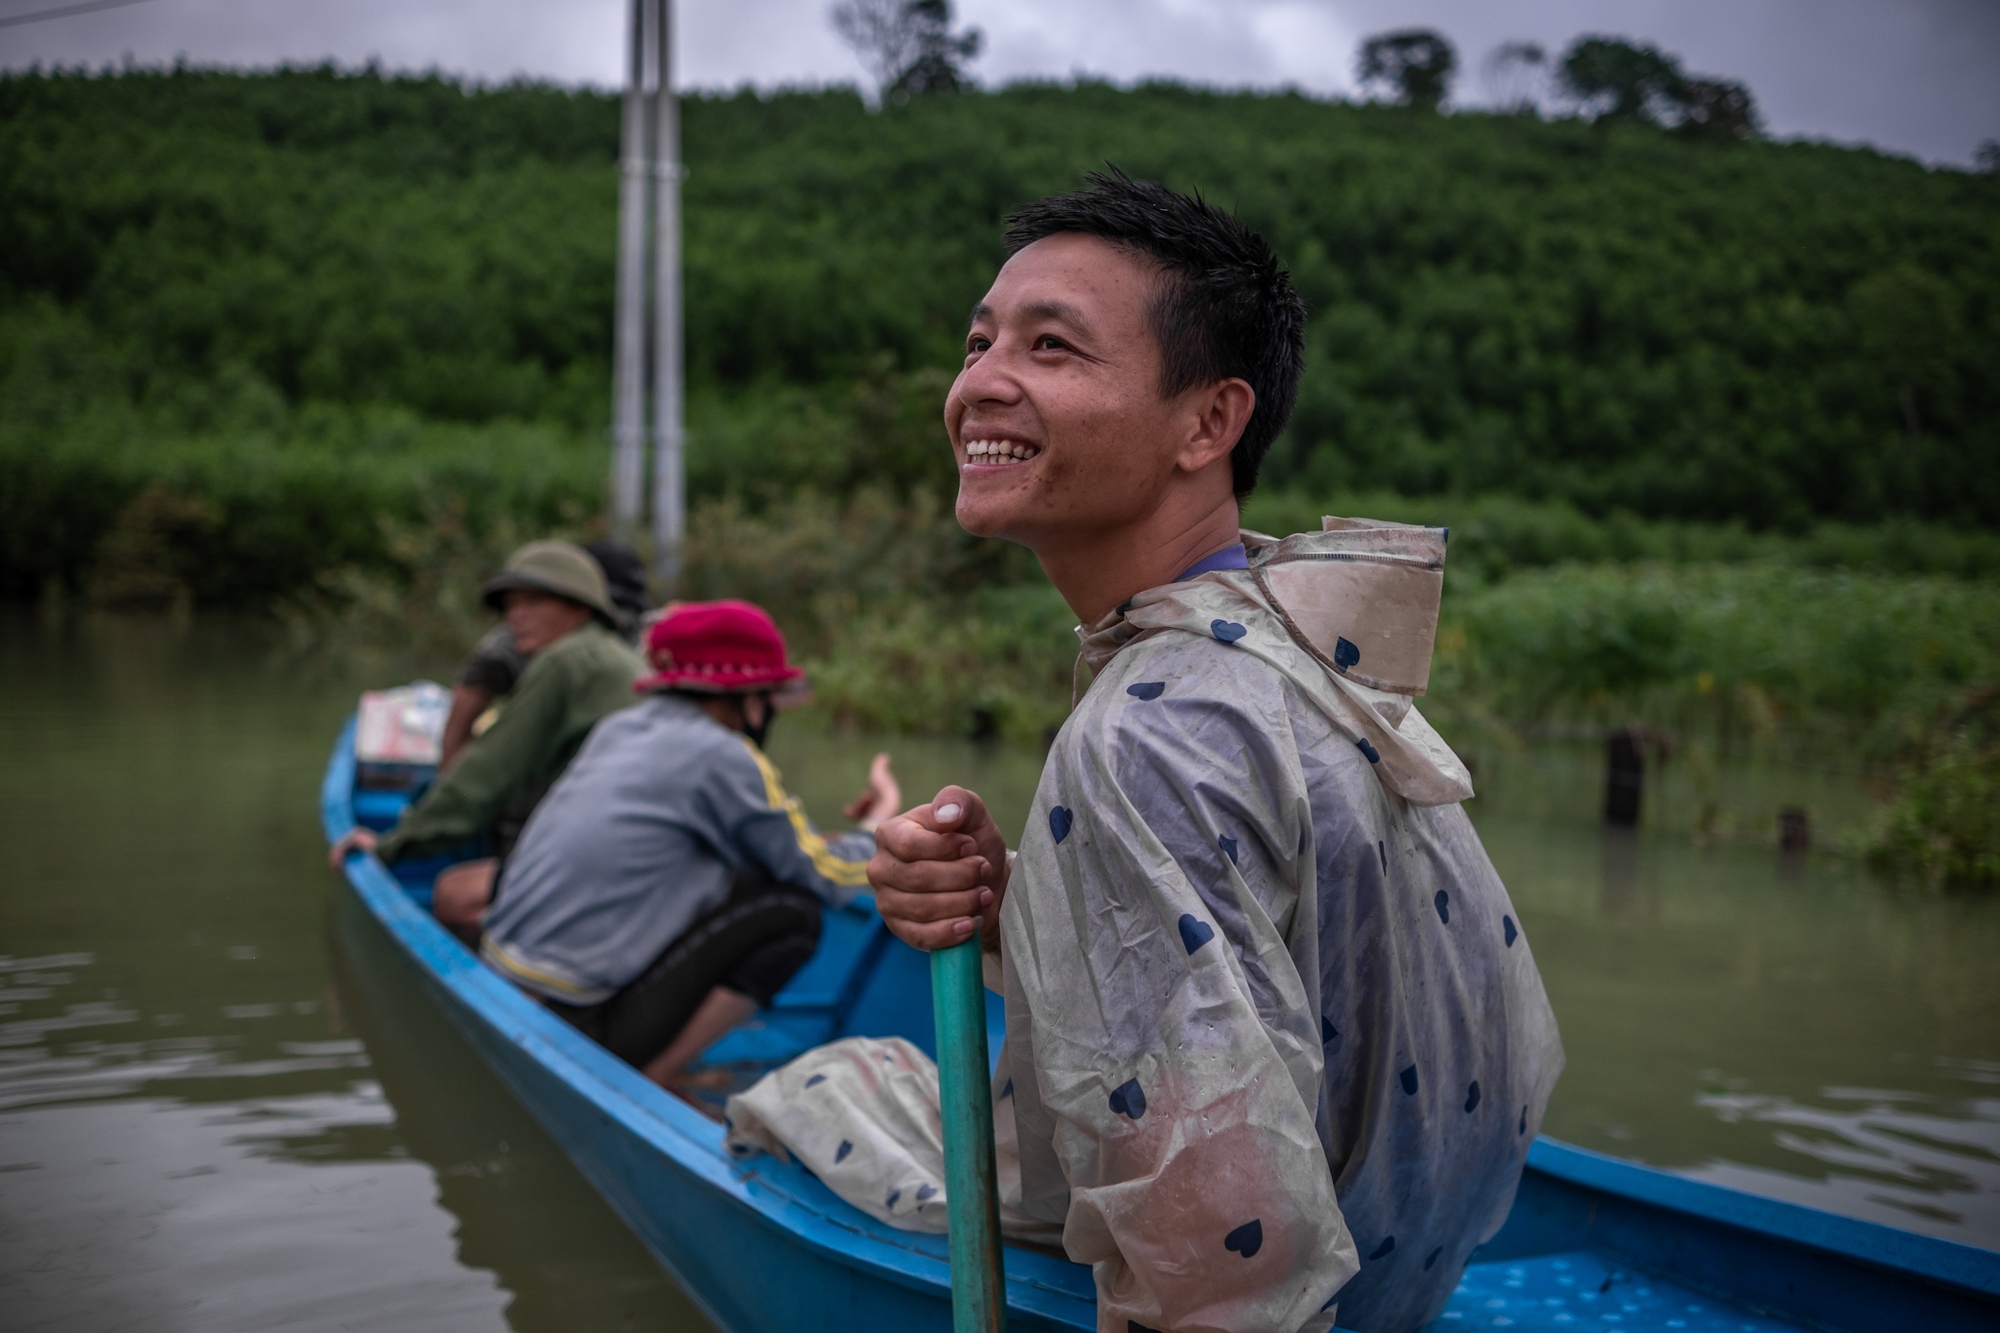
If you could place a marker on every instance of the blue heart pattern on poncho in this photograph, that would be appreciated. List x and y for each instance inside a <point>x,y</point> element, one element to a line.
<point>1247,1239</point>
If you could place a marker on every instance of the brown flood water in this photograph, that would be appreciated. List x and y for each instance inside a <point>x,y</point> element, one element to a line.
<point>224,1102</point>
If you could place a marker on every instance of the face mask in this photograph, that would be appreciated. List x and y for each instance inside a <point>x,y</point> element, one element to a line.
<point>763,728</point>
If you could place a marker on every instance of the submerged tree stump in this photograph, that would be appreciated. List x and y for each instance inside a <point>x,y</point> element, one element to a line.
<point>1624,778</point>
<point>1794,830</point>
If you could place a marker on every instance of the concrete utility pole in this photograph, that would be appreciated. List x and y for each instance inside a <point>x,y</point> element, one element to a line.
<point>628,349</point>
<point>669,482</point>
<point>649,220</point>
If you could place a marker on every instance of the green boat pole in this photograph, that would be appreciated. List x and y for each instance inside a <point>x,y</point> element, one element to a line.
<point>972,1189</point>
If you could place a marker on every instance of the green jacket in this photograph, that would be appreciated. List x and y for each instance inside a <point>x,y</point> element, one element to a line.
<point>566,688</point>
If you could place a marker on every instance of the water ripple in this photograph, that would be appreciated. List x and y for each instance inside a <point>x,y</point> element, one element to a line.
<point>1882,1155</point>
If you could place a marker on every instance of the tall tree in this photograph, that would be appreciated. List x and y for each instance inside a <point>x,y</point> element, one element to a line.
<point>1416,64</point>
<point>908,45</point>
<point>1612,79</point>
<point>1514,75</point>
<point>1717,109</point>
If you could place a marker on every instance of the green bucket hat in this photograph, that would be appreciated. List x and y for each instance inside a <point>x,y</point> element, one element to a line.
<point>553,567</point>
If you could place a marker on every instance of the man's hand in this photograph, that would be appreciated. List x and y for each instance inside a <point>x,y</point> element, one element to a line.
<point>356,839</point>
<point>940,871</point>
<point>882,799</point>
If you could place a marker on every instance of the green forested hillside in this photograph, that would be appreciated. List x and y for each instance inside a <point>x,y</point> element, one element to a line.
<point>1606,315</point>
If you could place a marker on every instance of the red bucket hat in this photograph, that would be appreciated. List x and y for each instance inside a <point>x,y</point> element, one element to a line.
<point>727,647</point>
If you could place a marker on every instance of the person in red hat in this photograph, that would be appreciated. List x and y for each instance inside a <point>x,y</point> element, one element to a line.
<point>668,886</point>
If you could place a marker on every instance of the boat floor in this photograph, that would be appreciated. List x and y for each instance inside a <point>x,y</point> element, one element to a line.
<point>1561,1293</point>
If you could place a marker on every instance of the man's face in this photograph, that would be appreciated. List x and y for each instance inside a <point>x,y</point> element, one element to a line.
<point>538,619</point>
<point>1057,420</point>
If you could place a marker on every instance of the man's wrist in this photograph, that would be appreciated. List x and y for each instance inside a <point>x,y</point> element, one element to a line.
<point>989,939</point>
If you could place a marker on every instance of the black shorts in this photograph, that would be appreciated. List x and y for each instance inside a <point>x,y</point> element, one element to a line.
<point>753,944</point>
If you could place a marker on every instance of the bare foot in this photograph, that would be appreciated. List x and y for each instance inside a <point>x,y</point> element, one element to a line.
<point>690,1094</point>
<point>705,1080</point>
<point>884,796</point>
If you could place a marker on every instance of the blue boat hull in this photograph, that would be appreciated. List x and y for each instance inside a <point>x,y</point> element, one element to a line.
<point>762,1245</point>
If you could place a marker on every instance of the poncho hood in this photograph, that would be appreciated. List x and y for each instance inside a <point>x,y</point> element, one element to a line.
<point>1349,614</point>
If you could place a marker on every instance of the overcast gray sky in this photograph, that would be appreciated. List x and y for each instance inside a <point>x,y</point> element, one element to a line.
<point>1913,76</point>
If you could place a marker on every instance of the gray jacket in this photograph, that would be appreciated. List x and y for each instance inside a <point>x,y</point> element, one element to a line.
<point>644,833</point>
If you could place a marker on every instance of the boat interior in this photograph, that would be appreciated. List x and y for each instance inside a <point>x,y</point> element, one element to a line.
<point>1593,1242</point>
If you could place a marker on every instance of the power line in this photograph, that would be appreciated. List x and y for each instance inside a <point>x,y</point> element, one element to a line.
<point>65,11</point>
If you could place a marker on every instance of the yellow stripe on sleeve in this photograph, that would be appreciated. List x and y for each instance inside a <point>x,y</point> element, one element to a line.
<point>851,874</point>
<point>519,972</point>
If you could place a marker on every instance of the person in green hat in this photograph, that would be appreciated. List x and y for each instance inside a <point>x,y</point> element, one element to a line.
<point>554,600</point>
<point>496,662</point>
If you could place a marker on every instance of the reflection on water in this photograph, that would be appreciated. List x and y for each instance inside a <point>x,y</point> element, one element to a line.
<point>204,1122</point>
<point>523,1211</point>
<point>31,1073</point>
<point>1789,1026</point>
<point>1887,1155</point>
<point>160,1213</point>
<point>226,1103</point>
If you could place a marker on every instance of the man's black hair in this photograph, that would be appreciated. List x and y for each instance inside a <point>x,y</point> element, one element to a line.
<point>1224,308</point>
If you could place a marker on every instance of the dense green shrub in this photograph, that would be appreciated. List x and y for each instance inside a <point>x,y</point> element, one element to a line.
<point>1846,668</point>
<point>996,663</point>
<point>909,624</point>
<point>906,623</point>
<point>1945,823</point>
<point>250,519</point>
<point>1854,671</point>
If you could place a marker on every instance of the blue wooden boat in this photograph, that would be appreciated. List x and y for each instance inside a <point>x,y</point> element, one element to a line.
<point>761,1245</point>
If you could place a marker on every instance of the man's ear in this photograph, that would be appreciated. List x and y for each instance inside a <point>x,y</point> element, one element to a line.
<point>1221,412</point>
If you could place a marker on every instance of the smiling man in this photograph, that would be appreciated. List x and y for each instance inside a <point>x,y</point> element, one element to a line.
<point>1276,1044</point>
